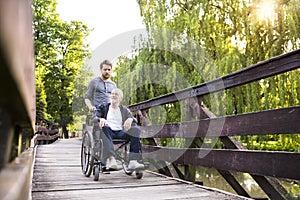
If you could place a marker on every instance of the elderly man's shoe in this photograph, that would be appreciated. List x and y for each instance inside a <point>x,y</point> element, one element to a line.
<point>111,164</point>
<point>133,164</point>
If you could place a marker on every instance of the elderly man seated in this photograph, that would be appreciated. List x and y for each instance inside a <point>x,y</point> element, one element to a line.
<point>116,122</point>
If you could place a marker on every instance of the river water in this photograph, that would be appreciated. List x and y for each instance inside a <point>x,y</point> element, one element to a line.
<point>212,178</point>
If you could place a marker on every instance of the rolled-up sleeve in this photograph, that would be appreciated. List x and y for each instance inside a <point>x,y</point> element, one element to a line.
<point>90,91</point>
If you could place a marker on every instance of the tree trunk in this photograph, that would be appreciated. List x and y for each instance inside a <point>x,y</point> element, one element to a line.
<point>65,131</point>
<point>63,123</point>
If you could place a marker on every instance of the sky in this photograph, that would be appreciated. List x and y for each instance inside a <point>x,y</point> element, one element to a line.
<point>108,18</point>
<point>115,23</point>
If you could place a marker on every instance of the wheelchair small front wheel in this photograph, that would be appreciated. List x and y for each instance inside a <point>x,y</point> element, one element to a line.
<point>139,174</point>
<point>96,172</point>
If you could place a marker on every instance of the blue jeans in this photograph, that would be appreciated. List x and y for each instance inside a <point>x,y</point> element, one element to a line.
<point>132,135</point>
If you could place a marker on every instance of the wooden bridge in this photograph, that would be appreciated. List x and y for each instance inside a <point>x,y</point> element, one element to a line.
<point>30,170</point>
<point>57,175</point>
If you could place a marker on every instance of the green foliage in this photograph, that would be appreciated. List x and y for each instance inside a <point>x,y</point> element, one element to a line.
<point>230,36</point>
<point>60,51</point>
<point>294,190</point>
<point>287,142</point>
<point>80,86</point>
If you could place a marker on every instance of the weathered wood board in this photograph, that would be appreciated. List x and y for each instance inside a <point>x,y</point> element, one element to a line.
<point>57,175</point>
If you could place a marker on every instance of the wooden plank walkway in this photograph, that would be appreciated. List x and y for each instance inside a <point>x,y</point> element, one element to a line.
<point>57,175</point>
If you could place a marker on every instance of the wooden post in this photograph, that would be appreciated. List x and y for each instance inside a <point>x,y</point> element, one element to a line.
<point>25,143</point>
<point>6,137</point>
<point>192,106</point>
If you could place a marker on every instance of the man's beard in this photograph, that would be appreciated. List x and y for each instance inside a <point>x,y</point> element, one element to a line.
<point>105,76</point>
<point>113,101</point>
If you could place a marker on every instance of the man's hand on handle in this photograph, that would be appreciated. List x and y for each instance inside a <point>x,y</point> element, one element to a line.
<point>92,109</point>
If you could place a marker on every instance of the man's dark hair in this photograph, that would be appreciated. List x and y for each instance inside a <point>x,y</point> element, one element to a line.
<point>105,62</point>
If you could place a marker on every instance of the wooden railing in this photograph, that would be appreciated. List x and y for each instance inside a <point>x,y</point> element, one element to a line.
<point>17,101</point>
<point>46,132</point>
<point>264,166</point>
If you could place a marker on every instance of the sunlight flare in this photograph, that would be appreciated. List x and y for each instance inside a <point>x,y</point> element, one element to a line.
<point>266,11</point>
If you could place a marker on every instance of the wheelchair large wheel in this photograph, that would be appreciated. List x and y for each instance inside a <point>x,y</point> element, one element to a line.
<point>123,155</point>
<point>84,155</point>
<point>87,155</point>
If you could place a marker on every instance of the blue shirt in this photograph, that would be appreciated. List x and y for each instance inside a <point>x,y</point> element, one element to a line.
<point>98,91</point>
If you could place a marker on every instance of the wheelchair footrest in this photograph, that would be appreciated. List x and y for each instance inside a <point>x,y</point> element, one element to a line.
<point>110,169</point>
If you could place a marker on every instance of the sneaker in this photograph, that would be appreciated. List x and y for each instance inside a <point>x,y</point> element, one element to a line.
<point>111,164</point>
<point>133,164</point>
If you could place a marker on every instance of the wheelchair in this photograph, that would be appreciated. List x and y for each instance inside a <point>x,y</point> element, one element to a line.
<point>92,152</point>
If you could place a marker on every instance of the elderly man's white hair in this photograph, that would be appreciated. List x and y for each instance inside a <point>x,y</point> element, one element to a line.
<point>119,91</point>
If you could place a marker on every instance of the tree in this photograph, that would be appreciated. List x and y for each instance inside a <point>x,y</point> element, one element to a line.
<point>60,51</point>
<point>234,35</point>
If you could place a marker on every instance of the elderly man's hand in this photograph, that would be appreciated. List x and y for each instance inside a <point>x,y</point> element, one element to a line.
<point>127,124</point>
<point>102,122</point>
